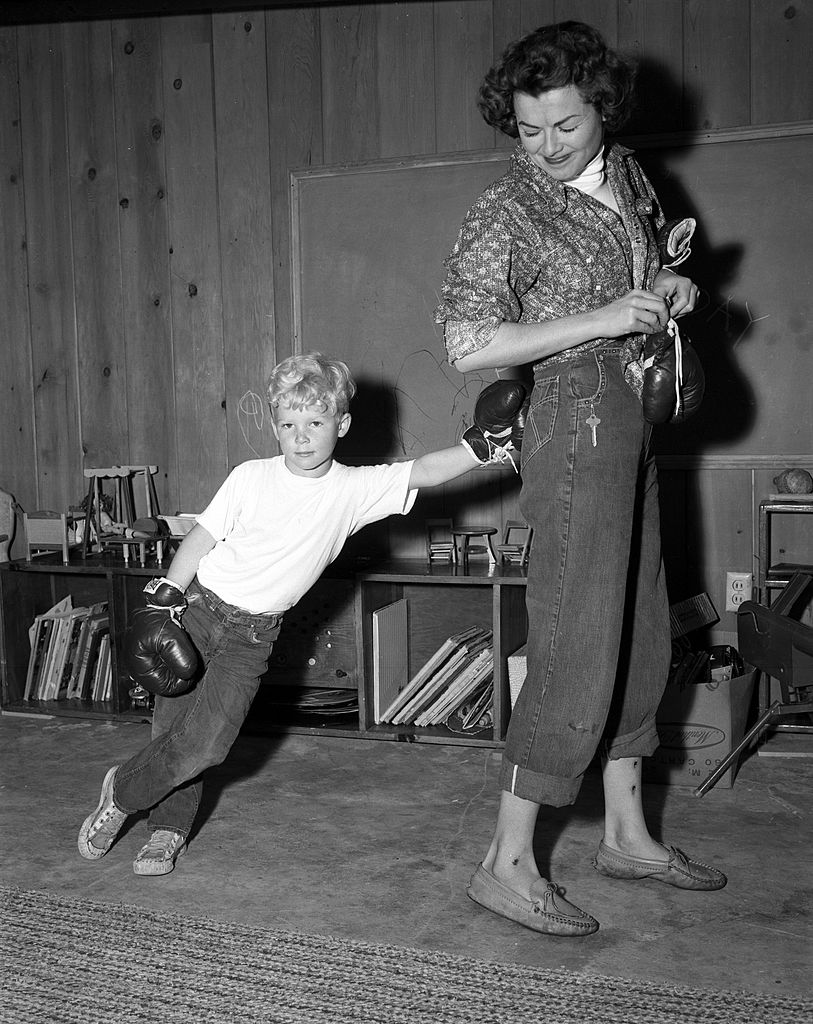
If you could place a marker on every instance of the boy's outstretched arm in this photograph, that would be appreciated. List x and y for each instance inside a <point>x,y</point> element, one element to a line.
<point>499,422</point>
<point>437,467</point>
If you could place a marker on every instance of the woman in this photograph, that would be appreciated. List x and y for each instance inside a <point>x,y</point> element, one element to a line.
<point>557,266</point>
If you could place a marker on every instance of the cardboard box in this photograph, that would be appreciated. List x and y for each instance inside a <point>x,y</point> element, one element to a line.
<point>699,725</point>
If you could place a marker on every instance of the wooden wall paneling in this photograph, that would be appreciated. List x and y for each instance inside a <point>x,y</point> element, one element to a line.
<point>197,323</point>
<point>652,30</point>
<point>17,452</point>
<point>50,268</point>
<point>513,19</point>
<point>719,532</point>
<point>781,43</point>
<point>716,50</point>
<point>406,79</point>
<point>601,14</point>
<point>295,129</point>
<point>96,244</point>
<point>672,500</point>
<point>464,51</point>
<point>350,101</point>
<point>142,207</point>
<point>246,256</point>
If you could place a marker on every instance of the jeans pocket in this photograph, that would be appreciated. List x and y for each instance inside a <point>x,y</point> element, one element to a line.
<point>256,634</point>
<point>587,379</point>
<point>541,420</point>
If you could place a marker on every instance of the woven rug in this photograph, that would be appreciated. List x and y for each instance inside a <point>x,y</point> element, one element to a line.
<point>65,960</point>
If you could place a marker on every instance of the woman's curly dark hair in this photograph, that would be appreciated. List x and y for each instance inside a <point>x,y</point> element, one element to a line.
<point>552,57</point>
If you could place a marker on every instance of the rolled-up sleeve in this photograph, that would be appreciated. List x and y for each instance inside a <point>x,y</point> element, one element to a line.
<point>477,294</point>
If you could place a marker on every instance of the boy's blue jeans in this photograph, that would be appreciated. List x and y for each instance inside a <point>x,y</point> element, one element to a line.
<point>599,641</point>
<point>195,731</point>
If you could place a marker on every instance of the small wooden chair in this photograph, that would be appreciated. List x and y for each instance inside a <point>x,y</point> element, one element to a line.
<point>440,545</point>
<point>516,542</point>
<point>48,531</point>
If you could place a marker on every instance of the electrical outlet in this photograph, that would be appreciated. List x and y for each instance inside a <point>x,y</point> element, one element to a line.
<point>738,588</point>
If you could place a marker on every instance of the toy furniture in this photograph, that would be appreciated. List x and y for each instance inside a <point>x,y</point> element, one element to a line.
<point>48,531</point>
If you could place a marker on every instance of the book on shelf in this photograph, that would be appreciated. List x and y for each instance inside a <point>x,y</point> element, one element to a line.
<point>63,640</point>
<point>41,656</point>
<point>96,613</point>
<point>442,670</point>
<point>101,670</point>
<point>390,655</point>
<point>97,626</point>
<point>38,636</point>
<point>472,677</point>
<point>61,648</point>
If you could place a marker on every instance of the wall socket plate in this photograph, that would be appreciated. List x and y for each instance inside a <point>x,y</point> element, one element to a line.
<point>739,587</point>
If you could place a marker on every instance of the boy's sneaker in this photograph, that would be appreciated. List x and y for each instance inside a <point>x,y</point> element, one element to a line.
<point>159,855</point>
<point>100,829</point>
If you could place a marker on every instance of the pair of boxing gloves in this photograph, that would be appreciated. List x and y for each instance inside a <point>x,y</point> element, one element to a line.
<point>159,653</point>
<point>674,382</point>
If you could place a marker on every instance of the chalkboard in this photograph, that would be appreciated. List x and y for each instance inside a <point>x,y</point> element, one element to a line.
<point>369,244</point>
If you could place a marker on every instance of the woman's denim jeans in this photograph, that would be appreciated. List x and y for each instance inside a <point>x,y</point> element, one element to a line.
<point>599,640</point>
<point>195,731</point>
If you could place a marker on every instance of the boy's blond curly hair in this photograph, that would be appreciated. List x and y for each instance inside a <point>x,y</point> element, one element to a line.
<point>311,379</point>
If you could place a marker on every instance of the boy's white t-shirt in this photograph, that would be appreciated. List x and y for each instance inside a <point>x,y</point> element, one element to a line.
<point>276,532</point>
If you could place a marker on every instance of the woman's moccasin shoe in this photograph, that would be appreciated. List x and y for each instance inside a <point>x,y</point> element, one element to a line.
<point>546,911</point>
<point>677,869</point>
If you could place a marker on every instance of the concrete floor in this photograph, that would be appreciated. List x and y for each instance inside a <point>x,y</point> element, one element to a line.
<point>376,841</point>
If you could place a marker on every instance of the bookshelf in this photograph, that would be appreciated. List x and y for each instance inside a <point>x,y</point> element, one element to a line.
<point>443,599</point>
<point>321,677</point>
<point>316,649</point>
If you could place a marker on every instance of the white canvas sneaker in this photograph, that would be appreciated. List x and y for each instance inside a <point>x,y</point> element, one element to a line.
<point>158,856</point>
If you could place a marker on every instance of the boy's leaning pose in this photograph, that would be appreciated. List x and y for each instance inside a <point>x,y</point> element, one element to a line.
<point>264,540</point>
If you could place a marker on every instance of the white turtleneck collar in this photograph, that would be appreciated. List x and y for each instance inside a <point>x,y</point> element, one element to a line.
<point>593,181</point>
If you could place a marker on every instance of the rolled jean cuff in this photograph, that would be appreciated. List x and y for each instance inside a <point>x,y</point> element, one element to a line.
<point>641,743</point>
<point>540,789</point>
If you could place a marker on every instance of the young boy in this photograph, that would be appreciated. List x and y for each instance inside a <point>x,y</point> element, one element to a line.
<point>262,542</point>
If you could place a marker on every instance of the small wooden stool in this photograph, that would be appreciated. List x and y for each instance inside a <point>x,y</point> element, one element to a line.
<point>122,478</point>
<point>464,534</point>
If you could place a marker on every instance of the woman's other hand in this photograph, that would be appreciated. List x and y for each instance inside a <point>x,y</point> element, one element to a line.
<point>680,292</point>
<point>637,312</point>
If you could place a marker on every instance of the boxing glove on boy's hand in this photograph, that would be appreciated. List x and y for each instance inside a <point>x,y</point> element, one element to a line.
<point>499,417</point>
<point>674,382</point>
<point>159,655</point>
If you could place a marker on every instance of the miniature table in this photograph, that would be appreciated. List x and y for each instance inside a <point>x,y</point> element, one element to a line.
<point>464,534</point>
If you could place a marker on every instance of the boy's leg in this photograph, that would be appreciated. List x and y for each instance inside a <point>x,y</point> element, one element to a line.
<point>164,776</point>
<point>195,731</point>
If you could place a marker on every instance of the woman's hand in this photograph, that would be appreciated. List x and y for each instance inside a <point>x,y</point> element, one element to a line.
<point>679,292</point>
<point>637,312</point>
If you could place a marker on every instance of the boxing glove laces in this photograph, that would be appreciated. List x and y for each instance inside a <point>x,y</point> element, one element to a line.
<point>499,422</point>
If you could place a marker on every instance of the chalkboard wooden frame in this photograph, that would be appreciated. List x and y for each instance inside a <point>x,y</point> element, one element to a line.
<point>368,247</point>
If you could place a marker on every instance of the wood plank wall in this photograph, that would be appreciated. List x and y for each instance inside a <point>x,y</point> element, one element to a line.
<point>145,267</point>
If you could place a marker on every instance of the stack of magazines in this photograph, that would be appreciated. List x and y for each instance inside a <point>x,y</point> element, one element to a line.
<point>459,674</point>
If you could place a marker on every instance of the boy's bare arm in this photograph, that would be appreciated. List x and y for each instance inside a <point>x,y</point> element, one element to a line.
<point>437,467</point>
<point>197,543</point>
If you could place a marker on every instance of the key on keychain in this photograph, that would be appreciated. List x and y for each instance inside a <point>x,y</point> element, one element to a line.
<point>592,422</point>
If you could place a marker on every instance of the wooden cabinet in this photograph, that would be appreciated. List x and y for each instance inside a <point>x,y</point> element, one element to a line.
<point>442,599</point>
<point>28,589</point>
<point>325,644</point>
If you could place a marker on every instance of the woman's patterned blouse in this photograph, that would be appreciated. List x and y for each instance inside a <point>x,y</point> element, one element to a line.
<point>532,249</point>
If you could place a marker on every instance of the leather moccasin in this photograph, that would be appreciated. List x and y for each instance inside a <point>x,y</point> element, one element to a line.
<point>677,869</point>
<point>546,911</point>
